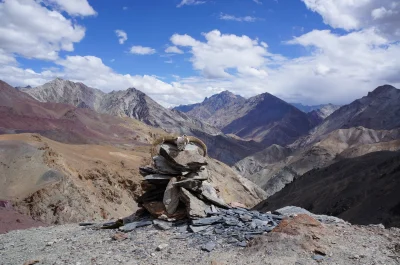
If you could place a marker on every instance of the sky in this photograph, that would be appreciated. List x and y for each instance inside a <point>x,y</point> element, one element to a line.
<point>181,51</point>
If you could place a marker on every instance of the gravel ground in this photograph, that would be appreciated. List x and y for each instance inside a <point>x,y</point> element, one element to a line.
<point>71,244</point>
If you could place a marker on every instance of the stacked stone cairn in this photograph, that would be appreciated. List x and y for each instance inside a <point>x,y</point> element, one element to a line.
<point>179,196</point>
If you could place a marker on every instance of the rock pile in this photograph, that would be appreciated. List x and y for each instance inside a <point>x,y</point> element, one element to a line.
<point>176,185</point>
<point>178,191</point>
<point>179,197</point>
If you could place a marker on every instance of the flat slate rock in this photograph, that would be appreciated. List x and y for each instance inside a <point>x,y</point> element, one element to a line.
<point>171,197</point>
<point>163,225</point>
<point>163,166</point>
<point>207,221</point>
<point>187,158</point>
<point>194,206</point>
<point>209,246</point>
<point>211,195</point>
<point>132,226</point>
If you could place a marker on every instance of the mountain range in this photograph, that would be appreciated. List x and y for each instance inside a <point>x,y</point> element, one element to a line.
<point>345,133</point>
<point>270,142</point>
<point>264,118</point>
<point>133,103</point>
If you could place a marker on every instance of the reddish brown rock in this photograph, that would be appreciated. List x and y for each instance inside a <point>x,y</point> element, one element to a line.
<point>157,209</point>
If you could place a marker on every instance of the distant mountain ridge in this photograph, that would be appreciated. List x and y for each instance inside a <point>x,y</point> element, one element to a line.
<point>366,125</point>
<point>379,110</point>
<point>135,104</point>
<point>263,118</point>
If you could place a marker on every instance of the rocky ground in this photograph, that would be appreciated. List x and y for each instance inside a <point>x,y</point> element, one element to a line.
<point>300,240</point>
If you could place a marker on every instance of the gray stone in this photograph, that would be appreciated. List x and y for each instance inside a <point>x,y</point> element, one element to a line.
<point>232,240</point>
<point>194,206</point>
<point>190,157</point>
<point>255,223</point>
<point>132,226</point>
<point>165,167</point>
<point>207,221</point>
<point>231,221</point>
<point>212,210</point>
<point>182,228</point>
<point>245,218</point>
<point>209,246</point>
<point>202,174</point>
<point>163,225</point>
<point>294,210</point>
<point>189,184</point>
<point>242,244</point>
<point>161,247</point>
<point>171,197</point>
<point>208,191</point>
<point>196,229</point>
<point>318,258</point>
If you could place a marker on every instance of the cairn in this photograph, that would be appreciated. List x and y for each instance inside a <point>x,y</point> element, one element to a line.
<point>180,198</point>
<point>177,184</point>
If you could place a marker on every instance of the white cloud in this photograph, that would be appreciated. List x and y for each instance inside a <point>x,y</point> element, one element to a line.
<point>257,2</point>
<point>384,15</point>
<point>223,52</point>
<point>173,49</point>
<point>240,19</point>
<point>190,2</point>
<point>122,36</point>
<point>142,50</point>
<point>74,7</point>
<point>41,36</point>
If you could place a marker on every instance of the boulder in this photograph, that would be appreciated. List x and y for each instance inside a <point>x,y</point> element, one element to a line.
<point>194,206</point>
<point>208,191</point>
<point>190,157</point>
<point>171,197</point>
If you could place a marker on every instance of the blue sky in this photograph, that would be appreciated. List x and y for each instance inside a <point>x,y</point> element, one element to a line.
<point>305,51</point>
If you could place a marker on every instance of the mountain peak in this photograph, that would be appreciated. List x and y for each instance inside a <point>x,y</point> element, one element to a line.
<point>382,90</point>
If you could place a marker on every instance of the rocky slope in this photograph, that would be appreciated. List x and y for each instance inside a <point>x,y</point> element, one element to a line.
<point>361,190</point>
<point>67,92</point>
<point>337,137</point>
<point>265,119</point>
<point>276,166</point>
<point>301,240</point>
<point>19,112</point>
<point>58,183</point>
<point>379,110</point>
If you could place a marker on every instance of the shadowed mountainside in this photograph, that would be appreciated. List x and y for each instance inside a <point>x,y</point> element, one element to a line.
<point>361,190</point>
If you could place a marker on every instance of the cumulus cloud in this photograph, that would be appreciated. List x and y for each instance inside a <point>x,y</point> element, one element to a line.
<point>74,7</point>
<point>384,15</point>
<point>34,37</point>
<point>190,2</point>
<point>223,16</point>
<point>122,36</point>
<point>142,50</point>
<point>222,52</point>
<point>173,49</point>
